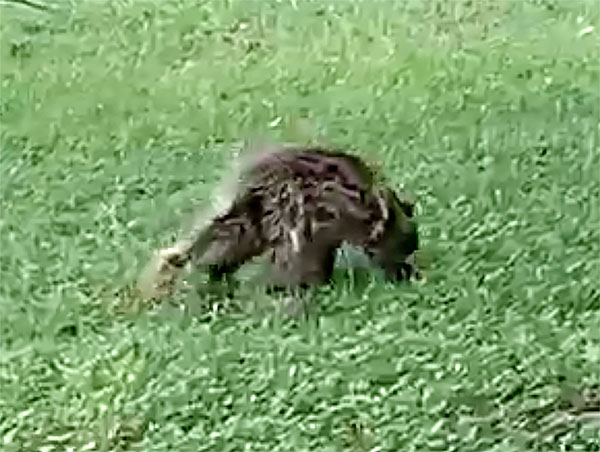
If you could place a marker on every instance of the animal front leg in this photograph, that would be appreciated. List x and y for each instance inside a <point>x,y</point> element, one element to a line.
<point>296,272</point>
<point>395,268</point>
<point>310,264</point>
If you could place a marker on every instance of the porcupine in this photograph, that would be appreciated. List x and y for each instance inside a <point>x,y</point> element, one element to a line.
<point>298,205</point>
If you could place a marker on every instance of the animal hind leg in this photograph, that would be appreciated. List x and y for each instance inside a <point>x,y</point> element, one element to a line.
<point>221,247</point>
<point>159,276</point>
<point>232,242</point>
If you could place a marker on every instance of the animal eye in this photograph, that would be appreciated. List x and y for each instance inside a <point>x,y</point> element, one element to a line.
<point>405,203</point>
<point>407,209</point>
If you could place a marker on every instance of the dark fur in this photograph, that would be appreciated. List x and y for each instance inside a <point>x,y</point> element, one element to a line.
<point>299,205</point>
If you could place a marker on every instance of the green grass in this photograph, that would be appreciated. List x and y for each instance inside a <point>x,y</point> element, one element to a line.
<point>117,118</point>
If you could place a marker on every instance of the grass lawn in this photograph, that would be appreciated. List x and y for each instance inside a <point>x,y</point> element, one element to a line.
<point>116,121</point>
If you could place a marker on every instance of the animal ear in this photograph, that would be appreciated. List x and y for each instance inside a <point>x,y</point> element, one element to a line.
<point>407,201</point>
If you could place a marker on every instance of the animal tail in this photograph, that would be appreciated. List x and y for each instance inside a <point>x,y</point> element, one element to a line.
<point>158,278</point>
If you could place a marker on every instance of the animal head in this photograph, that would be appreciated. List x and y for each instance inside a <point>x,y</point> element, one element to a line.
<point>399,239</point>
